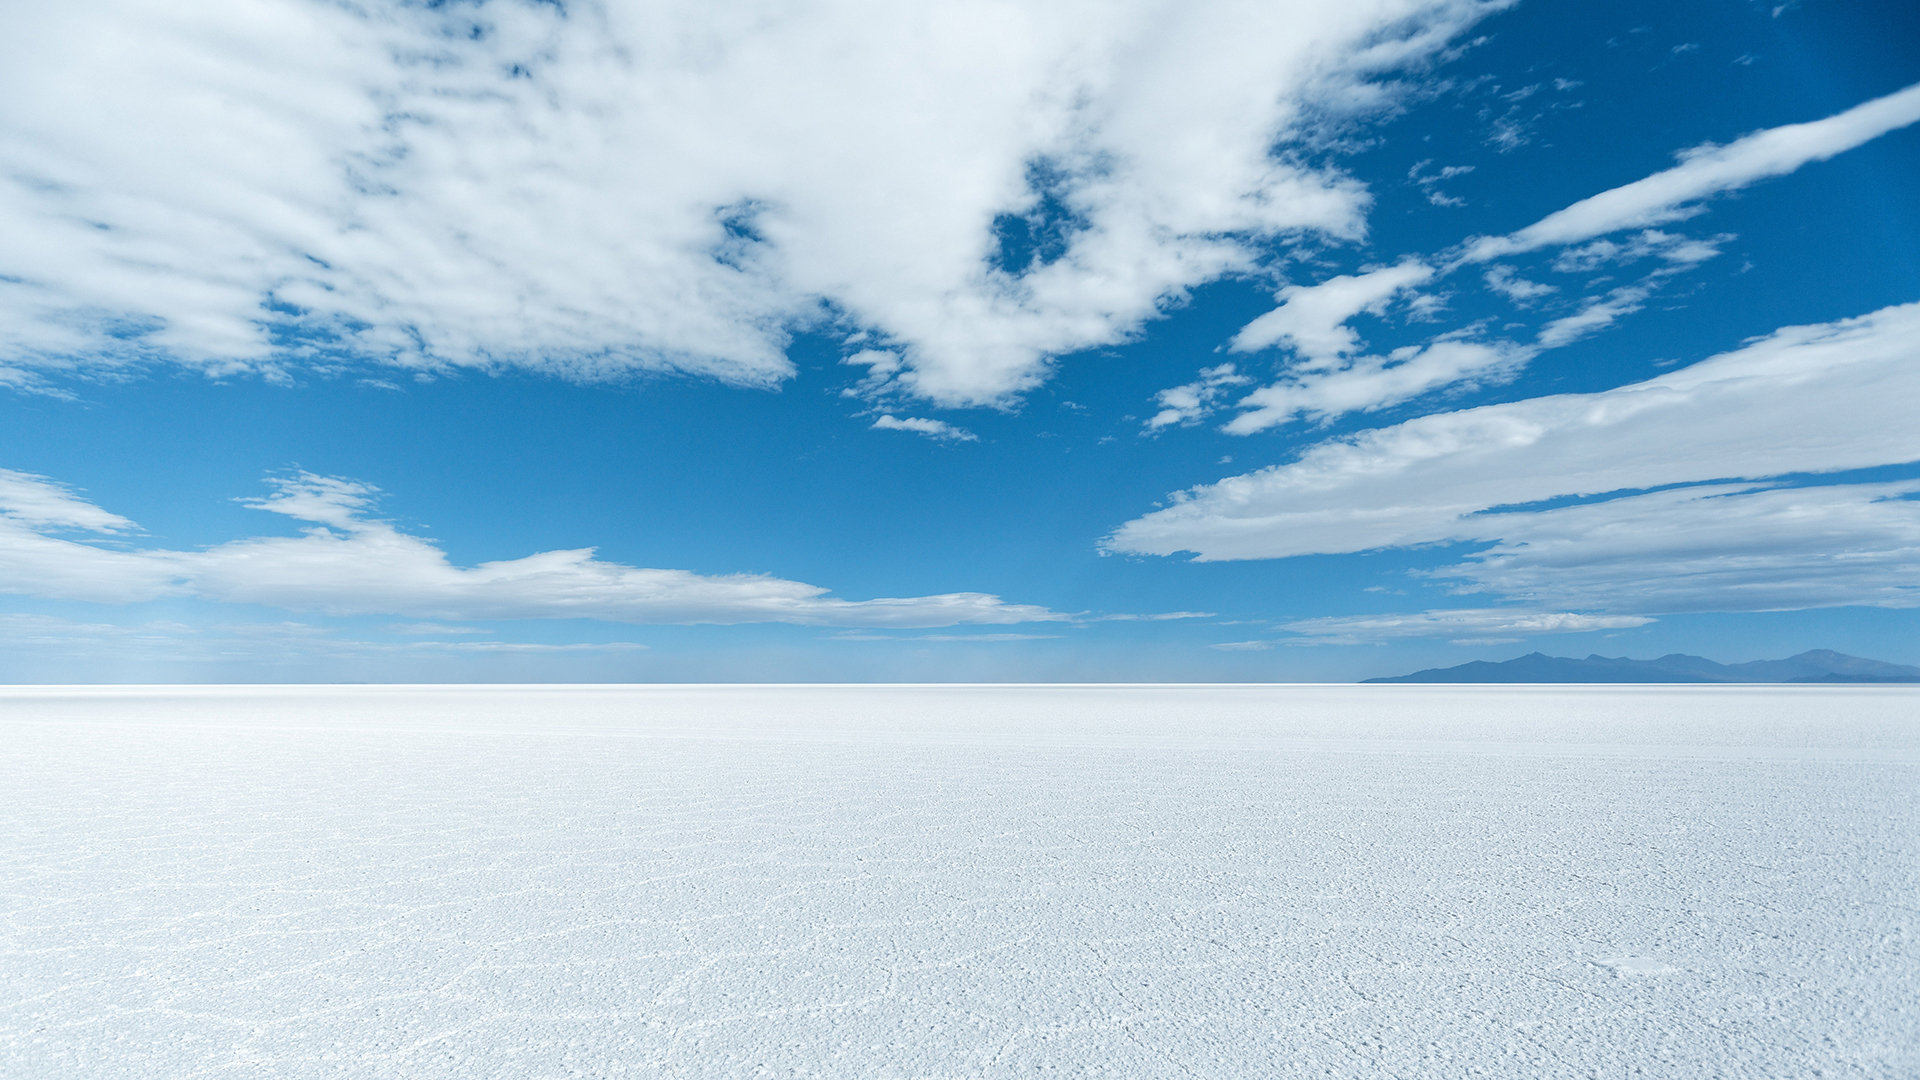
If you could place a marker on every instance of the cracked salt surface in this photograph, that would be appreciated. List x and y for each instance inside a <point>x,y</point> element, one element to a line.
<point>959,881</point>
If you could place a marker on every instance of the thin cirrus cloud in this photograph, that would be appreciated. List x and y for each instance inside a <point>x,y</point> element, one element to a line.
<point>1710,548</point>
<point>1312,319</point>
<point>1374,382</point>
<point>1804,400</point>
<point>347,563</point>
<point>1706,171</point>
<point>937,430</point>
<point>1452,622</point>
<point>1326,380</point>
<point>594,189</point>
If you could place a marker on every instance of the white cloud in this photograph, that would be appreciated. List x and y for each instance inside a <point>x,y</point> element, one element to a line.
<point>1311,319</point>
<point>36,502</point>
<point>1428,180</point>
<point>346,563</point>
<point>1501,279</point>
<point>1677,250</point>
<point>1715,548</point>
<point>1695,549</point>
<point>1597,315</point>
<point>1327,381</point>
<point>938,430</point>
<point>1192,401</point>
<point>1369,383</point>
<point>145,643</point>
<point>984,638</point>
<point>1482,622</point>
<point>1706,171</point>
<point>1805,399</point>
<point>594,189</point>
<point>429,629</point>
<point>515,646</point>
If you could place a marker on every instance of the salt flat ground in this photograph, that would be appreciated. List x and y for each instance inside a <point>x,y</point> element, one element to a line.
<point>1143,881</point>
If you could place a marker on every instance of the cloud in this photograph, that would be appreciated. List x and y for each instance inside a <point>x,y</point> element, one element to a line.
<point>346,563</point>
<point>592,190</point>
<point>1597,315</point>
<point>1311,319</point>
<point>1678,251</point>
<point>1369,383</point>
<point>1327,380</point>
<point>1501,279</point>
<point>1451,623</point>
<point>1339,385</point>
<point>938,430</point>
<point>1189,402</point>
<point>144,643</point>
<point>34,502</point>
<point>516,646</point>
<point>988,639</point>
<point>1802,400</point>
<point>1426,181</point>
<point>1706,171</point>
<point>429,629</point>
<point>1714,548</point>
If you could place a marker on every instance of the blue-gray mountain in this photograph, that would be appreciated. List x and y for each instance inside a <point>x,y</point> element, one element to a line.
<point>1816,666</point>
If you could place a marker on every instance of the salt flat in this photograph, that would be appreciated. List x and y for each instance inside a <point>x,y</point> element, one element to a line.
<point>1144,881</point>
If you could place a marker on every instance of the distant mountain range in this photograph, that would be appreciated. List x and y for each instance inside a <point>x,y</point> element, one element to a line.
<point>1817,666</point>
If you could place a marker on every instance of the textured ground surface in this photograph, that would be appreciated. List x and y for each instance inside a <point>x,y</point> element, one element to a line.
<point>989,881</point>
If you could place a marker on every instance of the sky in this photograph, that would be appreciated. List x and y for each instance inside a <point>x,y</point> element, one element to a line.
<point>346,340</point>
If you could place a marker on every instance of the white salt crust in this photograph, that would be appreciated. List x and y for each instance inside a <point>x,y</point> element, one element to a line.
<point>1147,881</point>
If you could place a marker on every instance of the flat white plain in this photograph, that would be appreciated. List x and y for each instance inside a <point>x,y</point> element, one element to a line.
<point>1141,881</point>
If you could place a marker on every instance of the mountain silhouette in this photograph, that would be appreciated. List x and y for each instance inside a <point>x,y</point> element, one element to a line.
<point>1815,666</point>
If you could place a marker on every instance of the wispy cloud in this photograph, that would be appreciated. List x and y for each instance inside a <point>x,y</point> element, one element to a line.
<point>1192,401</point>
<point>938,430</point>
<point>1503,280</point>
<point>1312,319</point>
<point>1454,623</point>
<point>1674,249</point>
<point>1806,399</point>
<point>33,502</point>
<point>346,562</point>
<point>1705,171</point>
<point>1595,316</point>
<point>986,639</point>
<point>252,644</point>
<point>1712,548</point>
<point>1326,378</point>
<point>1377,382</point>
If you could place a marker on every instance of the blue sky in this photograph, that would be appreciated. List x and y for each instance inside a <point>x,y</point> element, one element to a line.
<point>848,341</point>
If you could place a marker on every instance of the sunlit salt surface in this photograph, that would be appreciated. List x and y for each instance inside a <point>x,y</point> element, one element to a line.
<point>959,881</point>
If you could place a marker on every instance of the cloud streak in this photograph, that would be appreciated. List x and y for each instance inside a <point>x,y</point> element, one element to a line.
<point>1326,380</point>
<point>1806,399</point>
<point>1312,319</point>
<point>347,563</point>
<point>1713,548</point>
<point>937,430</point>
<point>1454,622</point>
<point>1705,171</point>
